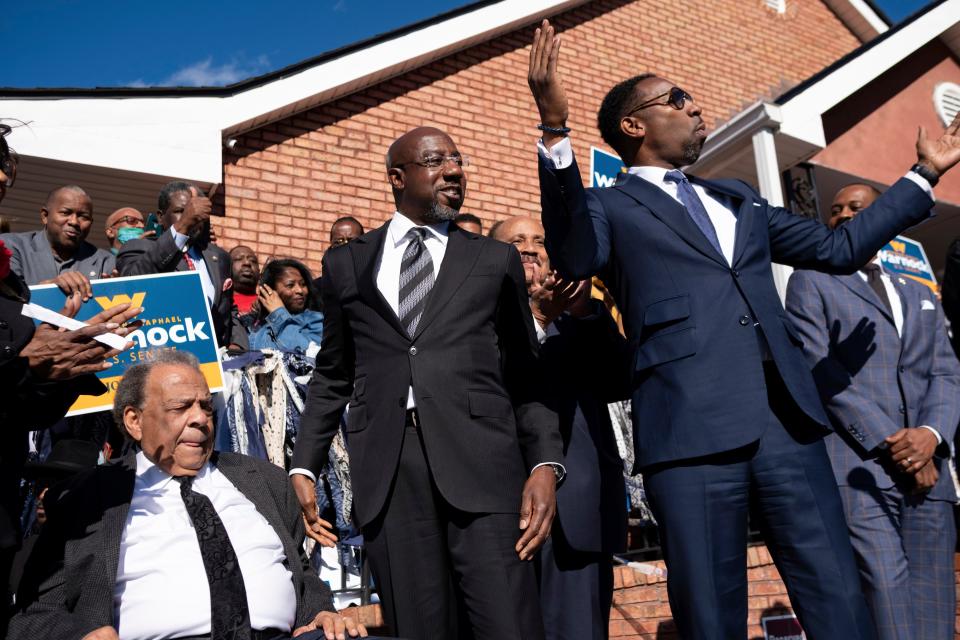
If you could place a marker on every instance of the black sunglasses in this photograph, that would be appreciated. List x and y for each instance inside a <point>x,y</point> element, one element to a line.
<point>676,98</point>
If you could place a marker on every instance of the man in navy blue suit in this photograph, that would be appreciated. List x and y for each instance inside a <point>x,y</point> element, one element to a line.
<point>725,407</point>
<point>891,386</point>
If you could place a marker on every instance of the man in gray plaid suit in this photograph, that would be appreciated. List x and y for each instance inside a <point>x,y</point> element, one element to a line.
<point>891,385</point>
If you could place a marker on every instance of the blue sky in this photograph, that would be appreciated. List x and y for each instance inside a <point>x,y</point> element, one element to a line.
<point>110,43</point>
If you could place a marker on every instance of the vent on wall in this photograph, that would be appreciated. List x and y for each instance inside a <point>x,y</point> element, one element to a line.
<point>780,6</point>
<point>946,100</point>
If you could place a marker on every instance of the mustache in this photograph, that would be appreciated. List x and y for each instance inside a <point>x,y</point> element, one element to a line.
<point>530,258</point>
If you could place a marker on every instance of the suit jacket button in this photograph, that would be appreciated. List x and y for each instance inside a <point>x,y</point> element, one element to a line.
<point>8,350</point>
<point>902,410</point>
<point>902,368</point>
<point>413,351</point>
<point>736,274</point>
<point>3,324</point>
<point>744,321</point>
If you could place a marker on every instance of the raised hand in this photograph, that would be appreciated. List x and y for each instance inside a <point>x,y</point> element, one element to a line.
<point>553,297</point>
<point>944,152</point>
<point>545,82</point>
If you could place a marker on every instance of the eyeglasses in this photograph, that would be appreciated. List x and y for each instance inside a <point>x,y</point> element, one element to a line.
<point>435,162</point>
<point>129,220</point>
<point>676,98</point>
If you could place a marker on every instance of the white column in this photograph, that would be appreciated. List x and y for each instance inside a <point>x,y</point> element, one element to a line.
<point>768,176</point>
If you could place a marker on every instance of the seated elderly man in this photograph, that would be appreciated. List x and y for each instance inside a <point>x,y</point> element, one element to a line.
<point>174,541</point>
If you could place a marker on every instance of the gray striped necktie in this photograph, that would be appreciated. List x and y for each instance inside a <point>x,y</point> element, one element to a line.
<point>416,280</point>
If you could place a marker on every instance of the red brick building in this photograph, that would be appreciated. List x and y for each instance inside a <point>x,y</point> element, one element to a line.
<point>821,84</point>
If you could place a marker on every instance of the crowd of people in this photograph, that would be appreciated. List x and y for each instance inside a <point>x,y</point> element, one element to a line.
<point>470,376</point>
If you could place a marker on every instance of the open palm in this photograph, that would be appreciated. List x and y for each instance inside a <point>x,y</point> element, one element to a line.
<point>942,153</point>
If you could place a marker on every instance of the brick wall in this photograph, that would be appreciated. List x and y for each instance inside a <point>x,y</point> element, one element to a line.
<point>288,181</point>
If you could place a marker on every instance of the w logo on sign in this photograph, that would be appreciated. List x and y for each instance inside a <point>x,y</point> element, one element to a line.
<point>604,168</point>
<point>122,298</point>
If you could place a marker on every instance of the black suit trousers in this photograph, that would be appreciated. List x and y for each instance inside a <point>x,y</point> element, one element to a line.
<point>701,507</point>
<point>446,573</point>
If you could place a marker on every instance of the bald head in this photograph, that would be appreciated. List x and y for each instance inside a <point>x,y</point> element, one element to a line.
<point>65,189</point>
<point>123,218</point>
<point>425,171</point>
<point>404,149</point>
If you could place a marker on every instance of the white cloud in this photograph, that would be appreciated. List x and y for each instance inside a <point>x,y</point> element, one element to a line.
<point>204,73</point>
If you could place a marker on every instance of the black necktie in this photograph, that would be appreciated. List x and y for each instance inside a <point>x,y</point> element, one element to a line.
<point>229,614</point>
<point>873,272</point>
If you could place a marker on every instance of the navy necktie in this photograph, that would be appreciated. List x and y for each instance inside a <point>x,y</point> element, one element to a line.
<point>229,613</point>
<point>694,206</point>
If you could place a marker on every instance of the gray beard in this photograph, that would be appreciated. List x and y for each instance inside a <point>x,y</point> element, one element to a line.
<point>440,213</point>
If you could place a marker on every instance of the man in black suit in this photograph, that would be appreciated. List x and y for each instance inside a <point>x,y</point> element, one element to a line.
<point>173,541</point>
<point>586,363</point>
<point>429,336</point>
<point>184,245</point>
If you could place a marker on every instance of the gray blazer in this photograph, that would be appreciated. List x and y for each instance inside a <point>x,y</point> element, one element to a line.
<point>874,382</point>
<point>34,262</point>
<point>67,590</point>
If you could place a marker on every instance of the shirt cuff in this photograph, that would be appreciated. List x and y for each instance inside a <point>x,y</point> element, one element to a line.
<point>921,182</point>
<point>561,154</point>
<point>179,239</point>
<point>541,332</point>
<point>935,432</point>
<point>556,466</point>
<point>297,471</point>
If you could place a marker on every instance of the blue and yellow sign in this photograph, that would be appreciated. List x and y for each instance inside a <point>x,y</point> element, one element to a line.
<point>906,257</point>
<point>604,168</point>
<point>175,316</point>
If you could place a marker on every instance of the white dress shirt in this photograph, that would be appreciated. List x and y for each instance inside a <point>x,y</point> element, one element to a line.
<point>388,263</point>
<point>162,590</point>
<point>896,309</point>
<point>198,263</point>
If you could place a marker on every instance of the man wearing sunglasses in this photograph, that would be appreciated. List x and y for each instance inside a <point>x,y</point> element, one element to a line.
<point>726,411</point>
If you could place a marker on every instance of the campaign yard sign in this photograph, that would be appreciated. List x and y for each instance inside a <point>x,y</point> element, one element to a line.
<point>604,168</point>
<point>906,258</point>
<point>175,317</point>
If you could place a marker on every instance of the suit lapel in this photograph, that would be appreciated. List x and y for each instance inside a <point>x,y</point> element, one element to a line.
<point>743,209</point>
<point>365,250</point>
<point>909,309</point>
<point>116,498</point>
<point>670,212</point>
<point>212,259</point>
<point>856,284</point>
<point>458,260</point>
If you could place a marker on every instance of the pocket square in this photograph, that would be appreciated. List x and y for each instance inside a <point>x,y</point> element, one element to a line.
<point>757,204</point>
<point>926,305</point>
